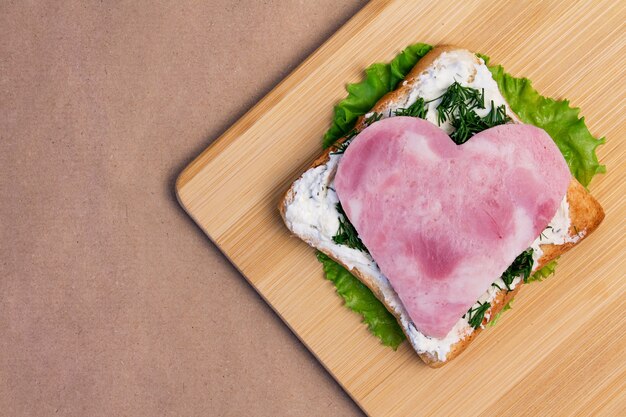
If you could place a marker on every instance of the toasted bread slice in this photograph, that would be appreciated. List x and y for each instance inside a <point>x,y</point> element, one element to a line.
<point>314,190</point>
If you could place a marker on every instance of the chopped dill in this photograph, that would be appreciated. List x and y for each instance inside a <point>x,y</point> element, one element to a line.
<point>347,234</point>
<point>458,106</point>
<point>476,315</point>
<point>417,109</point>
<point>521,267</point>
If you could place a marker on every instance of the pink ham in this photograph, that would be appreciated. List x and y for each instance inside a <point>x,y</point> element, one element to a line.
<point>444,221</point>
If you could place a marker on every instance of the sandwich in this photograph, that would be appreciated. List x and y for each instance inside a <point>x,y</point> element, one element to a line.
<point>442,201</point>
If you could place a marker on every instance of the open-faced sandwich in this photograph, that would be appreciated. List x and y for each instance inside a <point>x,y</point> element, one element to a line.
<point>442,202</point>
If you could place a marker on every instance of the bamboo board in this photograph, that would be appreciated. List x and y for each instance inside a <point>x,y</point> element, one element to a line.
<point>561,349</point>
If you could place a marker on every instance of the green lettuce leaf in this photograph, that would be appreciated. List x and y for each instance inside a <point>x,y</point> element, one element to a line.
<point>543,273</point>
<point>360,299</point>
<point>379,80</point>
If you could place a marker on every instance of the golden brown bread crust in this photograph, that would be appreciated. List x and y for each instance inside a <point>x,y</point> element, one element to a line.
<point>585,215</point>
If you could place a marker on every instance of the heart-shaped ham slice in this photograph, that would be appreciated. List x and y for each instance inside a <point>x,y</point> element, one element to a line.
<point>444,221</point>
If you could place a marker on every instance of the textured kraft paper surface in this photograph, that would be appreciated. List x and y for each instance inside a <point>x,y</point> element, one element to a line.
<point>112,301</point>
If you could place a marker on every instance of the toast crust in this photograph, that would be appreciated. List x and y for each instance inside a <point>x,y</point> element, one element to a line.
<point>586,214</point>
<point>584,210</point>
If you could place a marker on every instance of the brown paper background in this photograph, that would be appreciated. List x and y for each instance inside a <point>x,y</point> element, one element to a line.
<point>112,301</point>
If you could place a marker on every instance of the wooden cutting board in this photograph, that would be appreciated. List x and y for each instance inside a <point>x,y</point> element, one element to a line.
<point>561,349</point>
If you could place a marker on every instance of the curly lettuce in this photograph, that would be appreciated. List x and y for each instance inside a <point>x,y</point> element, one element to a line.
<point>543,273</point>
<point>556,117</point>
<point>360,299</point>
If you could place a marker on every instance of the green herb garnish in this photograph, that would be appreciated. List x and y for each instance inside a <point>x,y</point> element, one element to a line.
<point>458,98</point>
<point>521,267</point>
<point>417,109</point>
<point>468,123</point>
<point>476,315</point>
<point>347,235</point>
<point>496,116</point>
<point>458,106</point>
